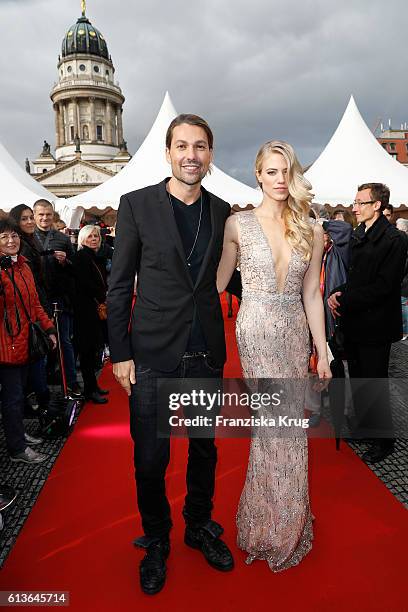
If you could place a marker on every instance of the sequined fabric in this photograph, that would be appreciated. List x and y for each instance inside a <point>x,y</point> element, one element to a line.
<point>274,518</point>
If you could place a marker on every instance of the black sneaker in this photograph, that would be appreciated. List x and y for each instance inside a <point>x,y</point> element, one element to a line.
<point>152,569</point>
<point>377,453</point>
<point>207,539</point>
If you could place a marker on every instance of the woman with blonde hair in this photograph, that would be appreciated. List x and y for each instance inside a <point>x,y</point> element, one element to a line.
<point>90,296</point>
<point>280,252</point>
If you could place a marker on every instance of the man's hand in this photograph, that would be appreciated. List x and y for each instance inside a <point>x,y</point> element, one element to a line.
<point>124,372</point>
<point>334,304</point>
<point>60,256</point>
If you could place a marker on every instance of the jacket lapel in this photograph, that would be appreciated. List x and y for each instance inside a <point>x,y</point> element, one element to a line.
<point>171,225</point>
<point>214,226</point>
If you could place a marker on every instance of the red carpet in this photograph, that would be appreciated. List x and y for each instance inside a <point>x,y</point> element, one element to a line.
<point>78,536</point>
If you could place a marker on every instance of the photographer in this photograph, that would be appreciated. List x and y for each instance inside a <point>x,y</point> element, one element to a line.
<point>18,297</point>
<point>58,254</point>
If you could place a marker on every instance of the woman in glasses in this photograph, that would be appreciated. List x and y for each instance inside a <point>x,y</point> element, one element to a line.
<point>18,296</point>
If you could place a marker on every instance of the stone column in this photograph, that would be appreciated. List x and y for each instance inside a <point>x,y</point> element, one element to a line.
<point>92,127</point>
<point>76,118</point>
<point>57,127</point>
<point>120,126</point>
<point>65,121</point>
<point>61,124</point>
<point>108,123</point>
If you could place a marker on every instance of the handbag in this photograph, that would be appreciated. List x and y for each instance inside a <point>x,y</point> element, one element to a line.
<point>39,343</point>
<point>102,311</point>
<point>101,308</point>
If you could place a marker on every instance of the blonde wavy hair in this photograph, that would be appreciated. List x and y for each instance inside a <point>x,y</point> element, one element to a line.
<point>299,229</point>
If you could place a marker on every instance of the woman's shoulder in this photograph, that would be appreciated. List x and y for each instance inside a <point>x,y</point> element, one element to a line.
<point>243,216</point>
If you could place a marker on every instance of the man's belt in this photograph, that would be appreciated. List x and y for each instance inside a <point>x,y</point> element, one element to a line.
<point>196,354</point>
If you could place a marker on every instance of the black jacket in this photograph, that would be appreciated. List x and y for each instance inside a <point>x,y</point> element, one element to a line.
<point>29,249</point>
<point>148,243</point>
<point>336,264</point>
<point>59,279</point>
<point>90,290</point>
<point>370,302</point>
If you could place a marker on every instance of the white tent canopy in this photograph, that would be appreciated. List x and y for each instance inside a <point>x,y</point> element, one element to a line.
<point>352,157</point>
<point>149,166</point>
<point>17,186</point>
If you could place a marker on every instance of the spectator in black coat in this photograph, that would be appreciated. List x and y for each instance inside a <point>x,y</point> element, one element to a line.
<point>90,292</point>
<point>402,225</point>
<point>57,256</point>
<point>24,217</point>
<point>369,305</point>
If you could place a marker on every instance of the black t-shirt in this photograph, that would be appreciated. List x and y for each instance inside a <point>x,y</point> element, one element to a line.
<point>187,218</point>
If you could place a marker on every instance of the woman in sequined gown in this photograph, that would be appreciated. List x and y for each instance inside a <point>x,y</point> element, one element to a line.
<point>279,252</point>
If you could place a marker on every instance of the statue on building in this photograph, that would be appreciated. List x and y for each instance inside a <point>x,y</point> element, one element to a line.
<point>46,148</point>
<point>27,165</point>
<point>123,146</point>
<point>77,142</point>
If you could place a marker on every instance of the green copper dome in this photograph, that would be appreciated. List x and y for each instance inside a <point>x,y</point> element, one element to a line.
<point>84,38</point>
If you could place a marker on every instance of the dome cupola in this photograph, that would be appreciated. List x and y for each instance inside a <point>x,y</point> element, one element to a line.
<point>83,37</point>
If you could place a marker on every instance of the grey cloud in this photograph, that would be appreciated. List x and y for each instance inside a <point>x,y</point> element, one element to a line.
<point>256,70</point>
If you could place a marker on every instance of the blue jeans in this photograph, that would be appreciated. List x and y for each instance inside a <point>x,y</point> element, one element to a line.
<point>37,380</point>
<point>13,380</point>
<point>66,326</point>
<point>152,453</point>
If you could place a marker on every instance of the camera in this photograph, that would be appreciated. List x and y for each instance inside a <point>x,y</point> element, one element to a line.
<point>47,252</point>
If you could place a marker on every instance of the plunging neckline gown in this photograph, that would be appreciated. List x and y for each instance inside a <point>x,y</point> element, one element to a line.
<point>274,519</point>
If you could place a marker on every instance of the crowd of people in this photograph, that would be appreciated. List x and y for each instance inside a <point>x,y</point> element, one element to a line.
<point>302,277</point>
<point>42,269</point>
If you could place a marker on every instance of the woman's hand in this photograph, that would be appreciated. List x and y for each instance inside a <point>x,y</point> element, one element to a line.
<point>324,374</point>
<point>53,339</point>
<point>323,369</point>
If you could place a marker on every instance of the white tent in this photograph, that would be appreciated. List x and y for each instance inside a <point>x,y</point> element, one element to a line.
<point>17,186</point>
<point>149,166</point>
<point>352,157</point>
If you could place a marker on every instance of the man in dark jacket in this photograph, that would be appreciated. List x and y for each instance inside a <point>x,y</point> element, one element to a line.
<point>370,309</point>
<point>57,253</point>
<point>171,236</point>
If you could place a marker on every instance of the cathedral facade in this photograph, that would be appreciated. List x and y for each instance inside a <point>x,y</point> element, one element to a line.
<point>88,104</point>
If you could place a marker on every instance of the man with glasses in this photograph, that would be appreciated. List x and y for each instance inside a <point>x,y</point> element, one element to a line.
<point>370,309</point>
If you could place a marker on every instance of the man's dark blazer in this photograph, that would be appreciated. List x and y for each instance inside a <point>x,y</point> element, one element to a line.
<point>370,302</point>
<point>148,244</point>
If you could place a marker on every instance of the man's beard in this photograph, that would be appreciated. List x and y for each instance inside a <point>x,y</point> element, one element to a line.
<point>190,180</point>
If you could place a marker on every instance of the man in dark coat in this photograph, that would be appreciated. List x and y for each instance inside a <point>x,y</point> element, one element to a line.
<point>57,253</point>
<point>171,236</point>
<point>370,309</point>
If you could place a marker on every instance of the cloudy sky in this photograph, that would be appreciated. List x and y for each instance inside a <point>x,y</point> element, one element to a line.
<point>255,70</point>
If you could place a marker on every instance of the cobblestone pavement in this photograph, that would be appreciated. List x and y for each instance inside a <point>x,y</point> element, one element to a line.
<point>393,471</point>
<point>28,481</point>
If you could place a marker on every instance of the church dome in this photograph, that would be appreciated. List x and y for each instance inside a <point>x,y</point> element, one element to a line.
<point>84,38</point>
